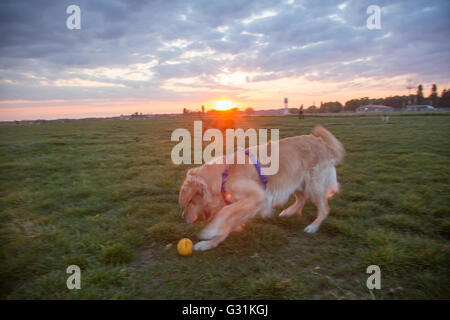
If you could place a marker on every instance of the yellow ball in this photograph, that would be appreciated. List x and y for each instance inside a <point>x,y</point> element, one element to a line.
<point>185,247</point>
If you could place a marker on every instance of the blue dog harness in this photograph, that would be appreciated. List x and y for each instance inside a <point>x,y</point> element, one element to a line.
<point>225,175</point>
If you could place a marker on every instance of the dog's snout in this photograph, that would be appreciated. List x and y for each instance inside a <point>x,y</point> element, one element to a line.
<point>188,218</point>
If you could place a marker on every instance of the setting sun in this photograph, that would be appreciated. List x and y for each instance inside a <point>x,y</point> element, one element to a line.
<point>224,105</point>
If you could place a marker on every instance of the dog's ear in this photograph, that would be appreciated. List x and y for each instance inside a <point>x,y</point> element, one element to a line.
<point>188,190</point>
<point>191,186</point>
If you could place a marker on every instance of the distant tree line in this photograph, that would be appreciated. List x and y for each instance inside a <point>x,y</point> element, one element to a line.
<point>398,102</point>
<point>137,115</point>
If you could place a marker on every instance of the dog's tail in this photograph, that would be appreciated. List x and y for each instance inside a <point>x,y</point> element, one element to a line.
<point>336,147</point>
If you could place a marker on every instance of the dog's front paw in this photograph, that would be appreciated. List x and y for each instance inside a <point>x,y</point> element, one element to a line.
<point>311,228</point>
<point>202,246</point>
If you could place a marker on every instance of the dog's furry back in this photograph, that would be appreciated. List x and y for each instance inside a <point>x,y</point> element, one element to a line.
<point>303,160</point>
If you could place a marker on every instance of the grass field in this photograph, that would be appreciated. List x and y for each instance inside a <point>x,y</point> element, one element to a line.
<point>103,195</point>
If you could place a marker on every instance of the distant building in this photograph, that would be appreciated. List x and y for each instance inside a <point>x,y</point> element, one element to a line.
<point>420,107</point>
<point>374,108</point>
<point>286,108</point>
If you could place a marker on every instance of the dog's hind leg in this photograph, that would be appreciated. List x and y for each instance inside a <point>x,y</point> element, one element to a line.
<point>320,193</point>
<point>322,214</point>
<point>297,207</point>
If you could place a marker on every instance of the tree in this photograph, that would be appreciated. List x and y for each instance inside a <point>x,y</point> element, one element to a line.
<point>420,94</point>
<point>433,96</point>
<point>354,104</point>
<point>249,111</point>
<point>335,106</point>
<point>312,109</point>
<point>444,101</point>
<point>396,101</point>
<point>137,115</point>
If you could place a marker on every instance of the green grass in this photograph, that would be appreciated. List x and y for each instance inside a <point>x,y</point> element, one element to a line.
<point>103,195</point>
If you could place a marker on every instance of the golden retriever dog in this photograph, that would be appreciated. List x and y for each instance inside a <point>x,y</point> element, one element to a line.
<point>306,170</point>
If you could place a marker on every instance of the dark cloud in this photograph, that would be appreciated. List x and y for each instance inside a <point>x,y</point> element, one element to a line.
<point>321,40</point>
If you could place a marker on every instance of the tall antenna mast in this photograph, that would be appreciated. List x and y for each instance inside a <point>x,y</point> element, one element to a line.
<point>409,86</point>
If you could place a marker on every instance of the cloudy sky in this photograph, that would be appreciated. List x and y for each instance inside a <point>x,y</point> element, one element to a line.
<point>162,56</point>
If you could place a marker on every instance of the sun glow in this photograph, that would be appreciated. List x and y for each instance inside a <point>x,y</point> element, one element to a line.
<point>224,105</point>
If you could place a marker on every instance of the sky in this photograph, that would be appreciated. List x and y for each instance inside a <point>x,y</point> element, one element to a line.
<point>163,56</point>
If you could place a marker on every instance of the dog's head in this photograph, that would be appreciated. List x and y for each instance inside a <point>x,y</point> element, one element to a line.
<point>195,196</point>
